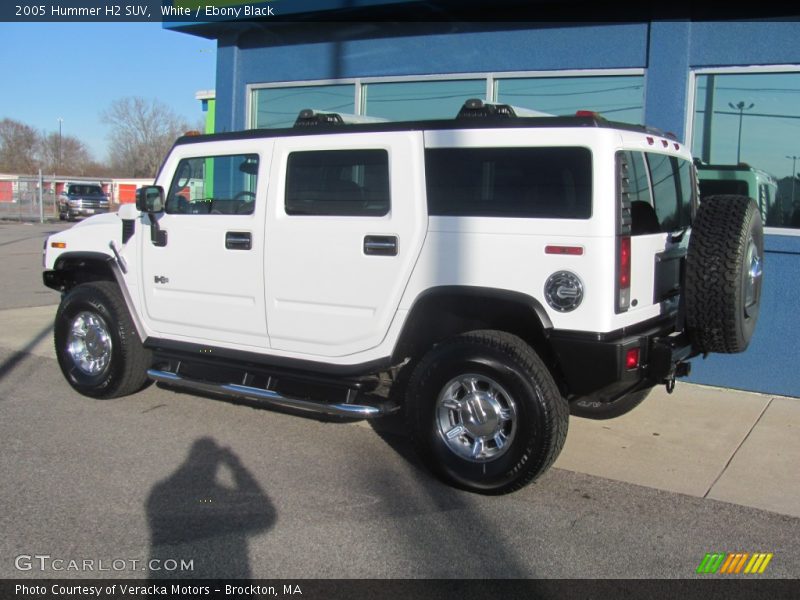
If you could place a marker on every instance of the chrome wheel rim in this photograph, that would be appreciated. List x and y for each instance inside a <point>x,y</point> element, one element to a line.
<point>752,282</point>
<point>476,418</point>
<point>89,343</point>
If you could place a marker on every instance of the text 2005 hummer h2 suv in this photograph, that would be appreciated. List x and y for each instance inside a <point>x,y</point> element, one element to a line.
<point>499,271</point>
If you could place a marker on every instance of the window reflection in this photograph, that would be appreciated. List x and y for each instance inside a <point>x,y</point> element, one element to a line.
<point>279,107</point>
<point>753,117</point>
<point>414,100</point>
<point>616,97</point>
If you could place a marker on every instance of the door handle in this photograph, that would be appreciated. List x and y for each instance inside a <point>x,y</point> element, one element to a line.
<point>238,240</point>
<point>380,245</point>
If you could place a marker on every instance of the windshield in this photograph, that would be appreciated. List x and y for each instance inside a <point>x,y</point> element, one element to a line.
<point>85,190</point>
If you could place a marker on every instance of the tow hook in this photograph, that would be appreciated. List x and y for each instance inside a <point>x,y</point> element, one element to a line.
<point>680,369</point>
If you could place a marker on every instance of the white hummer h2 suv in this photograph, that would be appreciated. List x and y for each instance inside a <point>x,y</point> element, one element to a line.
<point>497,271</point>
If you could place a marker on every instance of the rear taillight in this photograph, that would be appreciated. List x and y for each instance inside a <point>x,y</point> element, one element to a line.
<point>632,359</point>
<point>623,273</point>
<point>623,284</point>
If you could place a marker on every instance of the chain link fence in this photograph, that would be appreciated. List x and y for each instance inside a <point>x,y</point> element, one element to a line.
<point>21,200</point>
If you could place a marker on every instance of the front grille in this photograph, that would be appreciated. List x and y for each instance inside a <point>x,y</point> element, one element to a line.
<point>93,203</point>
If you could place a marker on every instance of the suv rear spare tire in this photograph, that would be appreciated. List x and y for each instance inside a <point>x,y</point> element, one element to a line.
<point>724,274</point>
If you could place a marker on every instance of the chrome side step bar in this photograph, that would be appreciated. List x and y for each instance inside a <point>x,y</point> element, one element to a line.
<point>355,411</point>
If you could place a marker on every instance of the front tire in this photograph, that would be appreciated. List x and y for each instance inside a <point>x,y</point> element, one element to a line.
<point>96,344</point>
<point>484,412</point>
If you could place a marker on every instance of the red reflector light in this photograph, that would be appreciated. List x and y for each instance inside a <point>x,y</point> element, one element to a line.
<point>625,262</point>
<point>632,358</point>
<point>569,250</point>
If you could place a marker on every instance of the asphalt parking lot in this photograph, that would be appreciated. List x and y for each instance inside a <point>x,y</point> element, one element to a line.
<point>222,489</point>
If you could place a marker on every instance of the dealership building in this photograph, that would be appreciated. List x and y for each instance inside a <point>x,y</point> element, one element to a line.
<point>730,89</point>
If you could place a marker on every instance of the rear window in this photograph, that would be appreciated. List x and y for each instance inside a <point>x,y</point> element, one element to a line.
<point>672,191</point>
<point>510,182</point>
<point>660,189</point>
<point>709,187</point>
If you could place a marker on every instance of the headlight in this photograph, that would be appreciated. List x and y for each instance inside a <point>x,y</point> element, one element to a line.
<point>75,203</point>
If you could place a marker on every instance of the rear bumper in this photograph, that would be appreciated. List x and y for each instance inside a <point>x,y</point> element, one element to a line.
<point>595,363</point>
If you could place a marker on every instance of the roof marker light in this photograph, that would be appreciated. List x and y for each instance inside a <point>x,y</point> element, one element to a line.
<point>650,140</point>
<point>664,143</point>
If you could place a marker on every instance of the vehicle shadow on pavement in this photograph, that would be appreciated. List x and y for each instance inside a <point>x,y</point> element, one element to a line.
<point>17,357</point>
<point>204,512</point>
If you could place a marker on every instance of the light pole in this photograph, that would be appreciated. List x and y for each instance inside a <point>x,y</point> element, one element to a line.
<point>741,107</point>
<point>58,160</point>
<point>794,171</point>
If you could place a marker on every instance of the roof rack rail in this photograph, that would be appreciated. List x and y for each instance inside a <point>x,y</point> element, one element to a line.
<point>477,108</point>
<point>309,117</point>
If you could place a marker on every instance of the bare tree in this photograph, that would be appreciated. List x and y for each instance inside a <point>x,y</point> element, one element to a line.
<point>64,154</point>
<point>19,144</point>
<point>142,132</point>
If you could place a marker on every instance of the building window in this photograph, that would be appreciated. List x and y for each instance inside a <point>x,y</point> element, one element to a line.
<point>616,97</point>
<point>338,182</point>
<point>745,131</point>
<point>414,100</point>
<point>279,106</point>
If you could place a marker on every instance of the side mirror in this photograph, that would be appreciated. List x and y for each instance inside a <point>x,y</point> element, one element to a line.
<point>150,199</point>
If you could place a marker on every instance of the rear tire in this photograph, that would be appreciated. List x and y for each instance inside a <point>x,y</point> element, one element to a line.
<point>724,274</point>
<point>96,343</point>
<point>484,412</point>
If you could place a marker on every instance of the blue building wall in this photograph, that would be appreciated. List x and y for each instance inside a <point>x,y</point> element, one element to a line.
<point>772,362</point>
<point>667,50</point>
<point>455,51</point>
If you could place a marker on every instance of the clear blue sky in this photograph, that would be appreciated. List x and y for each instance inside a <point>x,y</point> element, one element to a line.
<point>75,70</point>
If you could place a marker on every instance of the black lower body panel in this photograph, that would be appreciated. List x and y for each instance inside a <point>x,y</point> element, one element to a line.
<point>603,365</point>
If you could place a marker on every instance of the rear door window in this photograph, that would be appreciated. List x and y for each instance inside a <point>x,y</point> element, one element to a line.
<point>338,183</point>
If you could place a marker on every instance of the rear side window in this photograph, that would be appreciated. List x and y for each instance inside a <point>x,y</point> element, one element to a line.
<point>510,182</point>
<point>660,189</point>
<point>672,190</point>
<point>338,182</point>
